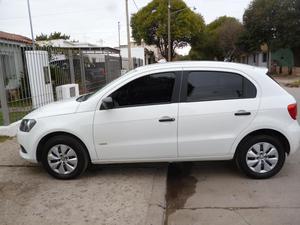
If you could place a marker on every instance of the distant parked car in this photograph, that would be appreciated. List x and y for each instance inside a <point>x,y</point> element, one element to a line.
<point>181,111</point>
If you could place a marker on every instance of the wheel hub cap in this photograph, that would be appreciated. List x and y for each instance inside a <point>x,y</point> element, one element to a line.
<point>62,159</point>
<point>262,157</point>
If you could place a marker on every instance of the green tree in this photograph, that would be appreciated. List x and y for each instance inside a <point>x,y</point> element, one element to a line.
<point>275,23</point>
<point>52,36</point>
<point>41,37</point>
<point>150,25</point>
<point>219,41</point>
<point>228,35</point>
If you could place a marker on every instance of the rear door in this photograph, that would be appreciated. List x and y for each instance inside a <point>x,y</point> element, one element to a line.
<point>215,107</point>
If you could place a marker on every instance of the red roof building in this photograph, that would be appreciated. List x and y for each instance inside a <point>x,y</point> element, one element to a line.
<point>15,38</point>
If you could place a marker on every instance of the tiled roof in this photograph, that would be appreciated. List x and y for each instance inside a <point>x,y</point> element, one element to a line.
<point>15,38</point>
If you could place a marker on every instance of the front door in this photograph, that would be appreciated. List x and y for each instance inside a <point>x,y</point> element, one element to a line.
<point>142,125</point>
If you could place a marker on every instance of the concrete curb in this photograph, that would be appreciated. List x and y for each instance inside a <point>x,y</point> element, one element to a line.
<point>10,130</point>
<point>157,204</point>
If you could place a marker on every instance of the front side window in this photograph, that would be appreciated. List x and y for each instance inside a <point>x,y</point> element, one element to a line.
<point>146,90</point>
<point>214,85</point>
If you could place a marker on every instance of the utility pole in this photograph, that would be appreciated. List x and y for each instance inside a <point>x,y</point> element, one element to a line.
<point>169,31</point>
<point>119,35</point>
<point>128,37</point>
<point>32,36</point>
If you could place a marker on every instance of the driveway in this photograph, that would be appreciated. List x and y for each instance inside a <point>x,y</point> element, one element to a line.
<point>108,195</point>
<point>208,193</point>
<point>215,193</point>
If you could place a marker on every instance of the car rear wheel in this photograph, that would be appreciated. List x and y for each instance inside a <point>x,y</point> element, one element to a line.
<point>260,156</point>
<point>64,157</point>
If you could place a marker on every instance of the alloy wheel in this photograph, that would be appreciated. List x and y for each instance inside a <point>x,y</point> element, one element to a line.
<point>262,157</point>
<point>62,159</point>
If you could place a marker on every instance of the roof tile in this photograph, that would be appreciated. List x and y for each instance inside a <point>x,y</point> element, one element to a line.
<point>14,37</point>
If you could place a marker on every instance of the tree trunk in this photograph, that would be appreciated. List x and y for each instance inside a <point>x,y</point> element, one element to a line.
<point>296,53</point>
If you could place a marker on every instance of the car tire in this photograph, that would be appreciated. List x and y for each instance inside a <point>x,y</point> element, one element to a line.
<point>64,157</point>
<point>260,156</point>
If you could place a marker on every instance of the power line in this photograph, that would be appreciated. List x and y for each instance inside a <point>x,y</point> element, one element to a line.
<point>135,5</point>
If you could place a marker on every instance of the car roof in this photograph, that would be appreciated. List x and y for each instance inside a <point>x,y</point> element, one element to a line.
<point>211,64</point>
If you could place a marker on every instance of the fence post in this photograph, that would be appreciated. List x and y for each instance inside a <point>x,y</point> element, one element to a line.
<point>72,73</point>
<point>107,72</point>
<point>3,98</point>
<point>82,71</point>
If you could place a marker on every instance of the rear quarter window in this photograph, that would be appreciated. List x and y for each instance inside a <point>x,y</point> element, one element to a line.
<point>216,85</point>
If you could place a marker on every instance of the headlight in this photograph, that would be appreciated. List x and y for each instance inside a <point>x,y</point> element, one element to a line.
<point>27,125</point>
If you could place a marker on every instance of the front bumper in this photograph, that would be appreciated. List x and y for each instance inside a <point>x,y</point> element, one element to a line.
<point>28,143</point>
<point>27,157</point>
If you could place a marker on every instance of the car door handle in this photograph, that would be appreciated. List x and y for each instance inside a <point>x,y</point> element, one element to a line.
<point>166,119</point>
<point>242,113</point>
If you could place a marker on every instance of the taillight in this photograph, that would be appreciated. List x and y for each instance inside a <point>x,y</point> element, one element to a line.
<point>292,108</point>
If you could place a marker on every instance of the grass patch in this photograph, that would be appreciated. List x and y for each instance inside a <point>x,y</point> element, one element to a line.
<point>293,84</point>
<point>4,138</point>
<point>20,103</point>
<point>13,116</point>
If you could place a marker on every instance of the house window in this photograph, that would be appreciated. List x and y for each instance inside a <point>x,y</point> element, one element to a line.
<point>264,57</point>
<point>9,67</point>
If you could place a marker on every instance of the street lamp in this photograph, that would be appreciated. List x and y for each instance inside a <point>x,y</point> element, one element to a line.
<point>128,37</point>
<point>29,13</point>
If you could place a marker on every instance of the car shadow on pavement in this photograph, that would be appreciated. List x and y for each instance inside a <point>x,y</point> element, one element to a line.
<point>183,178</point>
<point>97,169</point>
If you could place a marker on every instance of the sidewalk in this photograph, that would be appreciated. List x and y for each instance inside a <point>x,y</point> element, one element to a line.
<point>108,195</point>
<point>221,195</point>
<point>216,193</point>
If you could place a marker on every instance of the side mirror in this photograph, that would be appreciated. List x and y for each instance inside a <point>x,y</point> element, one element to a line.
<point>107,103</point>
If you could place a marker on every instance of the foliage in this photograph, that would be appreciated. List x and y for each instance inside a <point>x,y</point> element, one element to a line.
<point>52,36</point>
<point>4,138</point>
<point>228,35</point>
<point>273,22</point>
<point>219,40</point>
<point>294,84</point>
<point>149,24</point>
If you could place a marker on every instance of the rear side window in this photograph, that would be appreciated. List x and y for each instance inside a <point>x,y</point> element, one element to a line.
<point>147,90</point>
<point>215,85</point>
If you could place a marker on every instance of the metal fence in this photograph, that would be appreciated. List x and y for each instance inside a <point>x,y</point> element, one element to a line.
<point>29,78</point>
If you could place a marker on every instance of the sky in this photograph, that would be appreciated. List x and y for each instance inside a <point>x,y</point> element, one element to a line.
<point>95,21</point>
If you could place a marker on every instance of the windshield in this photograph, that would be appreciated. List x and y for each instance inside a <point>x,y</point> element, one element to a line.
<point>85,97</point>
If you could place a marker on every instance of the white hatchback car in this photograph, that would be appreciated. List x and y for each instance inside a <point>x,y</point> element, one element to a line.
<point>181,111</point>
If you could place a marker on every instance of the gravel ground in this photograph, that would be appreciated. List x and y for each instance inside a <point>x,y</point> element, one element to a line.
<point>119,194</point>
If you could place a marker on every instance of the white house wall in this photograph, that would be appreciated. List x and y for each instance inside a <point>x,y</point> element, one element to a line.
<point>258,62</point>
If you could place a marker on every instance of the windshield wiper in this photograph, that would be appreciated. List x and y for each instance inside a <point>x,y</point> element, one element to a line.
<point>83,97</point>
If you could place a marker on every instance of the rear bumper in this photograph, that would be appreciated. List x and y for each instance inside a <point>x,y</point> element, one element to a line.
<point>293,133</point>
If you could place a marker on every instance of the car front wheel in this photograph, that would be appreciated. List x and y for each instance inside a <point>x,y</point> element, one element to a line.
<point>64,157</point>
<point>260,156</point>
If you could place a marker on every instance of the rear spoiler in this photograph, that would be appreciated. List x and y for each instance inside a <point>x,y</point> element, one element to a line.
<point>263,70</point>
